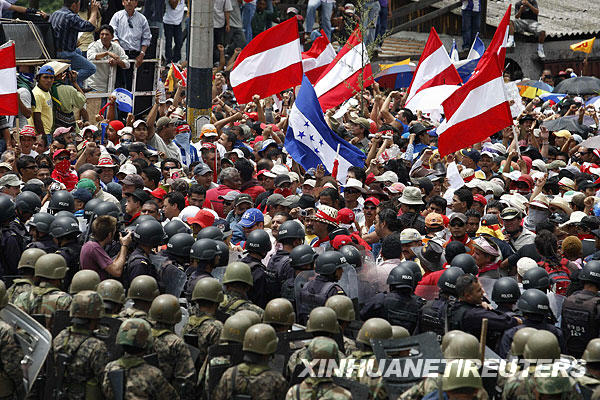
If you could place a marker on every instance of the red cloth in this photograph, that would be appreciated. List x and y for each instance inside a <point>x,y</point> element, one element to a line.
<point>212,200</point>
<point>254,191</point>
<point>69,180</point>
<point>431,279</point>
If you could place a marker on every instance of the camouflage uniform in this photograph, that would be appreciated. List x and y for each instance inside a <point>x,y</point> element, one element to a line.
<point>88,357</point>
<point>43,299</point>
<point>299,355</point>
<point>429,385</point>
<point>207,329</point>
<point>349,346</point>
<point>376,387</point>
<point>522,387</point>
<point>258,381</point>
<point>235,301</point>
<point>588,381</point>
<point>142,380</point>
<point>174,359</point>
<point>11,354</point>
<point>132,312</point>
<point>19,286</point>
<point>317,388</point>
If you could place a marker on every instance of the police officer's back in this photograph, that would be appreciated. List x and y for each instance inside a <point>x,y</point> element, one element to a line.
<point>9,239</point>
<point>290,235</point>
<point>39,229</point>
<point>147,235</point>
<point>302,258</point>
<point>401,306</point>
<point>581,311</point>
<point>329,268</point>
<point>80,357</point>
<point>178,259</point>
<point>253,377</point>
<point>138,379</point>
<point>266,284</point>
<point>27,203</point>
<point>174,359</point>
<point>505,294</point>
<point>203,259</point>
<point>11,373</point>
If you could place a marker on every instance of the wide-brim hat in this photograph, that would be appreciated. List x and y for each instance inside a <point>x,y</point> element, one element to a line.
<point>326,214</point>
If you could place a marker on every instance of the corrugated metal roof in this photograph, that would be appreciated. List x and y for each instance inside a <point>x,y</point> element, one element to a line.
<point>558,17</point>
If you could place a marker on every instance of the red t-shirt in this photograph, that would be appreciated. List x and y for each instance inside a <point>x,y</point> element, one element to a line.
<point>212,200</point>
<point>94,257</point>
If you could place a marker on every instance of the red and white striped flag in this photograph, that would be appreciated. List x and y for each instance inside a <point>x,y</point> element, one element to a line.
<point>270,63</point>
<point>479,108</point>
<point>435,69</point>
<point>341,79</point>
<point>179,74</point>
<point>8,80</point>
<point>317,58</point>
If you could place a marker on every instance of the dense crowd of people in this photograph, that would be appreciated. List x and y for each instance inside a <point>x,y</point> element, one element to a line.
<point>168,266</point>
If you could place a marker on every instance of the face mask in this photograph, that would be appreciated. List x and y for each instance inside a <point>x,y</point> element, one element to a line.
<point>62,166</point>
<point>183,138</point>
<point>284,192</point>
<point>537,216</point>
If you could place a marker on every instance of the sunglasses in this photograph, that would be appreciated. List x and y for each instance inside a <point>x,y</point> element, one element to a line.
<point>351,191</point>
<point>459,224</point>
<point>61,158</point>
<point>370,208</point>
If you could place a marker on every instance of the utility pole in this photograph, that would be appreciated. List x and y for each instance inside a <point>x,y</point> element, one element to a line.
<point>199,90</point>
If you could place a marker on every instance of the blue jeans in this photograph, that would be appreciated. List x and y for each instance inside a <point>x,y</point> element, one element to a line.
<point>370,15</point>
<point>326,10</point>
<point>79,63</point>
<point>470,26</point>
<point>382,22</point>
<point>248,10</point>
<point>173,32</point>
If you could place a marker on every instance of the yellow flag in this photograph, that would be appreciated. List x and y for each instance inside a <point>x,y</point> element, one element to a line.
<point>170,80</point>
<point>386,66</point>
<point>586,46</point>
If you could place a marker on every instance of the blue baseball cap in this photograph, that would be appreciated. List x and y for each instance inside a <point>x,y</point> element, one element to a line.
<point>251,217</point>
<point>47,70</point>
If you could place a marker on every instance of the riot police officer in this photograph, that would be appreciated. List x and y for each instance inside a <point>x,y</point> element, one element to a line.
<point>535,307</point>
<point>61,200</point>
<point>11,373</point>
<point>581,311</point>
<point>80,357</point>
<point>290,235</point>
<point>434,314</point>
<point>279,313</point>
<point>143,290</point>
<point>39,228</point>
<point>174,359</point>
<point>171,276</point>
<point>260,343</point>
<point>352,256</point>
<point>146,236</point>
<point>85,279</point>
<point>176,226</point>
<point>113,296</point>
<point>401,306</point>
<point>26,204</point>
<point>329,268</point>
<point>505,294</point>
<point>266,286</point>
<point>88,210</point>
<point>10,241</point>
<point>237,281</point>
<point>211,232</point>
<point>536,278</point>
<point>302,258</point>
<point>466,262</point>
<point>203,259</point>
<point>65,232</point>
<point>139,378</point>
<point>26,270</point>
<point>45,298</point>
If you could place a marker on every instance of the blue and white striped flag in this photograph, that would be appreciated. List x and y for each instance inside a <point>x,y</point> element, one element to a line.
<point>310,141</point>
<point>466,67</point>
<point>124,100</point>
<point>454,52</point>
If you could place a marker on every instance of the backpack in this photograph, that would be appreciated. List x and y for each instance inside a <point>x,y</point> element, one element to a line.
<point>559,275</point>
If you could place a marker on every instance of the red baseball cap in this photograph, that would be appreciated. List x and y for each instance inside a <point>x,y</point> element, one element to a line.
<point>57,152</point>
<point>373,200</point>
<point>345,216</point>
<point>340,240</point>
<point>203,218</point>
<point>116,125</point>
<point>159,193</point>
<point>480,199</point>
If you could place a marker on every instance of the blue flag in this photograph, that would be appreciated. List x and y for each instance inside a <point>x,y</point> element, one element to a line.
<point>466,67</point>
<point>310,141</point>
<point>124,100</point>
<point>454,52</point>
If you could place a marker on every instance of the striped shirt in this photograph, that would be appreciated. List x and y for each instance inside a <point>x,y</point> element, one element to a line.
<point>131,32</point>
<point>66,26</point>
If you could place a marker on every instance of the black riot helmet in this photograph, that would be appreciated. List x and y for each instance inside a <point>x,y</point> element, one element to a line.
<point>258,241</point>
<point>329,261</point>
<point>107,208</point>
<point>416,271</point>
<point>180,244</point>
<point>290,230</point>
<point>61,200</point>
<point>211,232</point>
<point>176,226</point>
<point>223,253</point>
<point>40,221</point>
<point>506,290</point>
<point>401,277</point>
<point>352,255</point>
<point>7,209</point>
<point>447,281</point>
<point>536,278</point>
<point>534,301</point>
<point>115,189</point>
<point>28,202</point>
<point>590,272</point>
<point>90,206</point>
<point>150,233</point>
<point>63,226</point>
<point>466,262</point>
<point>302,255</point>
<point>65,213</point>
<point>204,250</point>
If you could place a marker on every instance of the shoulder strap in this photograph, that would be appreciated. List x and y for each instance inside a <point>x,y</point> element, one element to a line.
<point>195,320</point>
<point>233,377</point>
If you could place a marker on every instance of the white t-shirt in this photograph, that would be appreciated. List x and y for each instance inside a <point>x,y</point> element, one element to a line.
<point>174,17</point>
<point>220,6</point>
<point>31,153</point>
<point>4,5</point>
